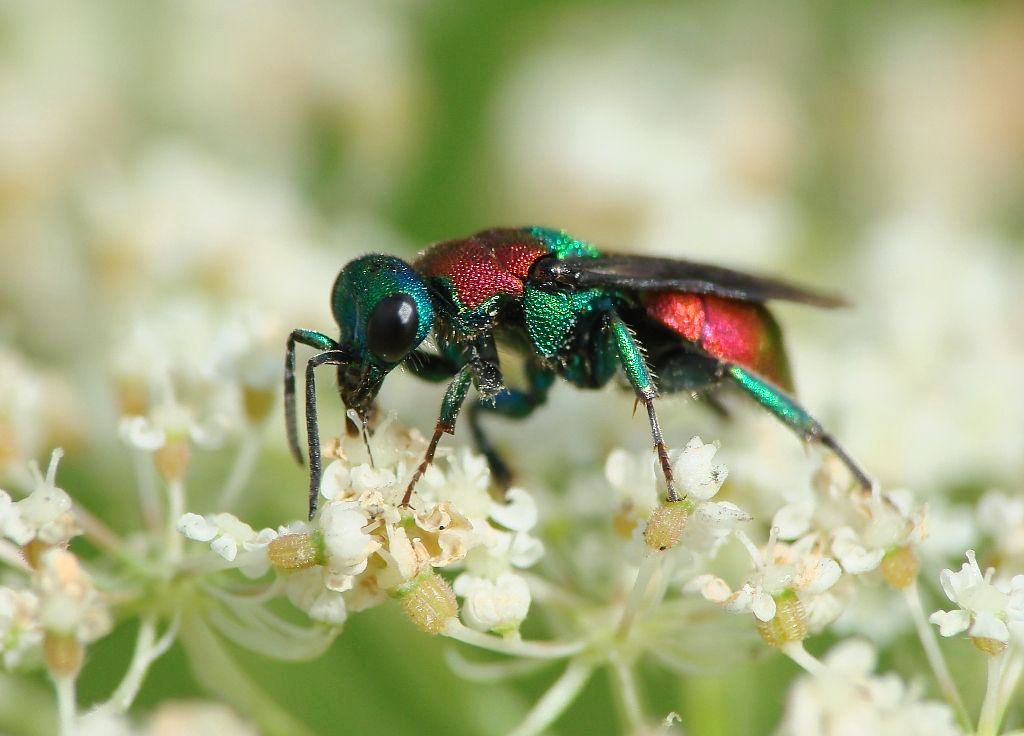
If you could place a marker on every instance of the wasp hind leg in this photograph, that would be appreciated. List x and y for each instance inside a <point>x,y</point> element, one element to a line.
<point>794,416</point>
<point>631,356</point>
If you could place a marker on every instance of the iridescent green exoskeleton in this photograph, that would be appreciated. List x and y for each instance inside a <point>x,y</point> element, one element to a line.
<point>571,311</point>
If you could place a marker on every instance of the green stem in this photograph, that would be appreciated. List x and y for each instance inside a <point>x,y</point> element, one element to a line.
<point>175,510</point>
<point>648,567</point>
<point>1011,678</point>
<point>988,723</point>
<point>241,470</point>
<point>513,647</point>
<point>930,644</point>
<point>624,682</point>
<point>66,707</point>
<point>554,702</point>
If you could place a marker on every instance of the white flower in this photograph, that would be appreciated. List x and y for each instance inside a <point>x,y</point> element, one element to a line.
<point>20,625</point>
<point>12,526</point>
<point>308,591</point>
<point>518,513</point>
<point>169,420</point>
<point>695,472</point>
<point>988,610</point>
<point>710,525</point>
<point>853,556</point>
<point>45,514</point>
<point>346,545</point>
<point>464,482</point>
<point>778,568</point>
<point>636,477</point>
<point>68,601</point>
<point>498,605</point>
<point>859,528</point>
<point>632,476</point>
<point>228,535</point>
<point>848,699</point>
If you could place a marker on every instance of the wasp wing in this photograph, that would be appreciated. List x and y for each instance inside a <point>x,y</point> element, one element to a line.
<point>648,273</point>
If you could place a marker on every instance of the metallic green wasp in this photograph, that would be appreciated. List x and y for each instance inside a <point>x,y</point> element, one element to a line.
<point>572,312</point>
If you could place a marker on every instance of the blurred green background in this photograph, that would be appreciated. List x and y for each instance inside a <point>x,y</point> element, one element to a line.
<point>244,151</point>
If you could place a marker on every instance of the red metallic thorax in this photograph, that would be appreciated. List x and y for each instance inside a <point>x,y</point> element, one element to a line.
<point>489,264</point>
<point>738,332</point>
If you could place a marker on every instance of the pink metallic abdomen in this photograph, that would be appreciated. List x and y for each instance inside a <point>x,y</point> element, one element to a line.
<point>728,329</point>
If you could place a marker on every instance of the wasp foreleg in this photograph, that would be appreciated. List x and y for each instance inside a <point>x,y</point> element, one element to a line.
<point>328,357</point>
<point>314,340</point>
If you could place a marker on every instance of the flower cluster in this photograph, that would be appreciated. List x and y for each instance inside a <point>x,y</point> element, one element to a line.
<point>989,611</point>
<point>364,547</point>
<point>62,611</point>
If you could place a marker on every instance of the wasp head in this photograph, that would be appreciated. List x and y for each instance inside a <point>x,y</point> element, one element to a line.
<point>384,311</point>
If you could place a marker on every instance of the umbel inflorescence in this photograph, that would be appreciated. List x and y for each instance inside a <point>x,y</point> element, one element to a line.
<point>468,563</point>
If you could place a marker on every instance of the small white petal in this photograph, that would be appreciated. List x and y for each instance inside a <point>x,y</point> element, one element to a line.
<point>951,623</point>
<point>712,587</point>
<point>826,574</point>
<point>518,513</point>
<point>525,550</point>
<point>793,520</point>
<point>987,626</point>
<point>763,607</point>
<point>695,472</point>
<point>140,432</point>
<point>225,546</point>
<point>196,527</point>
<point>210,434</point>
<point>854,557</point>
<point>12,525</point>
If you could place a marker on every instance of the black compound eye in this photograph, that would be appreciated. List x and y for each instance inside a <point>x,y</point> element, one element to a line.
<point>391,330</point>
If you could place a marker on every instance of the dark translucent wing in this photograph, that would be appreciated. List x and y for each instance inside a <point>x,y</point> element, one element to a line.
<point>645,273</point>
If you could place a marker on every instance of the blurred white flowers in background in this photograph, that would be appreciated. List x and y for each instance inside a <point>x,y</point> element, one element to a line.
<point>179,185</point>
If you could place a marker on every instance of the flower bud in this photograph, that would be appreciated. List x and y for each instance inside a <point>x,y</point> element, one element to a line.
<point>172,458</point>
<point>900,567</point>
<point>991,647</point>
<point>257,403</point>
<point>63,654</point>
<point>296,551</point>
<point>666,525</point>
<point>429,602</point>
<point>789,625</point>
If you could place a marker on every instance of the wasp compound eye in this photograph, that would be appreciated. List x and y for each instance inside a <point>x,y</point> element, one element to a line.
<point>391,330</point>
